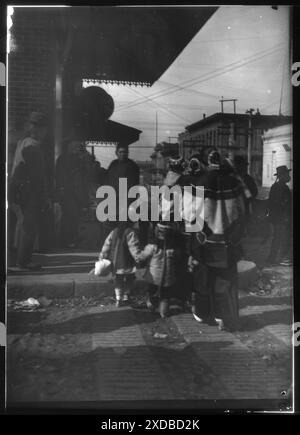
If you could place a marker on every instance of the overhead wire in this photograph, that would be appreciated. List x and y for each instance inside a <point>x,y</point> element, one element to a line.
<point>163,108</point>
<point>205,77</point>
<point>218,69</point>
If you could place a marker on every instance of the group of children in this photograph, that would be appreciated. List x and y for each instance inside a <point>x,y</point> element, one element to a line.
<point>161,258</point>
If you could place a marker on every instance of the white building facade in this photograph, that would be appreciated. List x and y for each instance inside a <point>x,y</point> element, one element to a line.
<point>277,151</point>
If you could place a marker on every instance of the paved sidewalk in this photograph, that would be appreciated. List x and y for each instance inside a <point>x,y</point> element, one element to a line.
<point>102,354</point>
<point>241,374</point>
<point>125,367</point>
<point>66,274</point>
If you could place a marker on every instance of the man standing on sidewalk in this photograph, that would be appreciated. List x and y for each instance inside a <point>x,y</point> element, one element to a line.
<point>29,188</point>
<point>280,216</point>
<point>123,167</point>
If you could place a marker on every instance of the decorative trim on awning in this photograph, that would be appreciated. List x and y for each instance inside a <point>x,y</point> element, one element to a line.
<point>99,82</point>
<point>100,143</point>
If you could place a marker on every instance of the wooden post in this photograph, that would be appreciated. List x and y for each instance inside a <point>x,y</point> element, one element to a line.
<point>62,50</point>
<point>249,151</point>
<point>58,112</point>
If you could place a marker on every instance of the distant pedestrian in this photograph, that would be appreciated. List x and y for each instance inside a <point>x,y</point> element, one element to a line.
<point>29,188</point>
<point>280,216</point>
<point>251,191</point>
<point>122,248</point>
<point>123,167</point>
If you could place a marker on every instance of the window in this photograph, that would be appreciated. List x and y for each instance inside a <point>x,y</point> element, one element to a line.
<point>286,147</point>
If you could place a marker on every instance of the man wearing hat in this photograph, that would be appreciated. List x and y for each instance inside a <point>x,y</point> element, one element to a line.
<point>279,212</point>
<point>29,188</point>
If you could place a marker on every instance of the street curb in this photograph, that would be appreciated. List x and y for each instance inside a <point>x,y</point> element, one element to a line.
<point>17,289</point>
<point>78,285</point>
<point>53,287</point>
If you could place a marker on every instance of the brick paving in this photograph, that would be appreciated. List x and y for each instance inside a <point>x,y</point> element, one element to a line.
<point>108,354</point>
<point>240,372</point>
<point>125,367</point>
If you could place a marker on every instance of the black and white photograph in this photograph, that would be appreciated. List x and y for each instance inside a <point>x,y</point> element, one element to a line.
<point>149,218</point>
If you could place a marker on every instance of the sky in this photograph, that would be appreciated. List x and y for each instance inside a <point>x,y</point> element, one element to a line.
<point>241,52</point>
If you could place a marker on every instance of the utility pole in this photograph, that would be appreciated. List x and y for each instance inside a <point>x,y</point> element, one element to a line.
<point>250,113</point>
<point>156,128</point>
<point>222,101</point>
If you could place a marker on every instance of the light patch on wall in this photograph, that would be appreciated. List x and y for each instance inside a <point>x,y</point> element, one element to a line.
<point>11,45</point>
<point>2,74</point>
<point>2,335</point>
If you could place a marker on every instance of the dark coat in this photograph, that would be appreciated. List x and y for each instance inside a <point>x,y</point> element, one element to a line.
<point>123,169</point>
<point>29,182</point>
<point>280,203</point>
<point>251,185</point>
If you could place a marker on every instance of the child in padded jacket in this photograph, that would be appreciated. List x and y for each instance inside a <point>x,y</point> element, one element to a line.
<point>122,248</point>
<point>162,256</point>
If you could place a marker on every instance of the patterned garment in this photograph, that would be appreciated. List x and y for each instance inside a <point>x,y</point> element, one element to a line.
<point>161,268</point>
<point>224,202</point>
<point>128,251</point>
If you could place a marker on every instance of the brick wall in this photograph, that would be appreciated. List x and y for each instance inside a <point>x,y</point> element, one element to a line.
<point>30,64</point>
<point>31,75</point>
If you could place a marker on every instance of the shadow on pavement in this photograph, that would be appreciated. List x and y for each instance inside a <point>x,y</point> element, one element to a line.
<point>23,322</point>
<point>247,301</point>
<point>253,322</point>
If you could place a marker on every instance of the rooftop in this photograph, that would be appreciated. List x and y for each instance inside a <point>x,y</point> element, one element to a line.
<point>230,117</point>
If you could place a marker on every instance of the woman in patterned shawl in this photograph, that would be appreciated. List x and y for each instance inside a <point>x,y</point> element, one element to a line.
<point>214,250</point>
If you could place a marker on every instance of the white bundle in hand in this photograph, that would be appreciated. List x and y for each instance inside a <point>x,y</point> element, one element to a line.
<point>102,267</point>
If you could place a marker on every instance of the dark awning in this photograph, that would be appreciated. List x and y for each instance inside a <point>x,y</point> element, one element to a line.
<point>118,43</point>
<point>135,44</point>
<point>115,132</point>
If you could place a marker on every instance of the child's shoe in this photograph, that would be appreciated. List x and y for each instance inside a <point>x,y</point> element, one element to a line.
<point>164,308</point>
<point>150,305</point>
<point>119,297</point>
<point>220,323</point>
<point>126,299</point>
